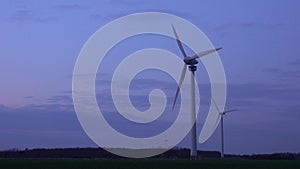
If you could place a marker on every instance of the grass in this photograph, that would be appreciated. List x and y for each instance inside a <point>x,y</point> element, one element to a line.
<point>146,164</point>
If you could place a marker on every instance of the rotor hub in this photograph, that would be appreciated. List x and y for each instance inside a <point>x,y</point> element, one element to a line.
<point>190,61</point>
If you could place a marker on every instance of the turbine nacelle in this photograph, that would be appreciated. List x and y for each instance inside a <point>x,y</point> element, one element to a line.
<point>190,61</point>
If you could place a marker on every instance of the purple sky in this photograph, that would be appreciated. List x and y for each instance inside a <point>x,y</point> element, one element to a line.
<point>40,41</point>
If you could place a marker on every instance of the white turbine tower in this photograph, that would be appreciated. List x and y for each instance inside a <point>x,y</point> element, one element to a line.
<point>221,114</point>
<point>191,62</point>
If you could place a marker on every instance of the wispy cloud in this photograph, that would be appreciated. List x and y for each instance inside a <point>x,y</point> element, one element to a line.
<point>70,7</point>
<point>67,92</point>
<point>115,15</point>
<point>229,28</point>
<point>126,2</point>
<point>45,125</point>
<point>272,70</point>
<point>96,16</point>
<point>247,25</point>
<point>28,97</point>
<point>294,62</point>
<point>46,19</point>
<point>290,76</point>
<point>61,99</point>
<point>266,105</point>
<point>24,15</point>
<point>4,109</point>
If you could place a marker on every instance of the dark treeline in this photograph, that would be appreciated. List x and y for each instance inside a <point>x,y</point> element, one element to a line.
<point>93,153</point>
<point>274,156</point>
<point>180,153</point>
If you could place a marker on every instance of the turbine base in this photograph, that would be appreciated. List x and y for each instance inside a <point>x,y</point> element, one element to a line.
<point>195,157</point>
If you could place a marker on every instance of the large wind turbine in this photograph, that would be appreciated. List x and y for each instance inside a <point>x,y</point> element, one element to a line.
<point>221,114</point>
<point>191,62</point>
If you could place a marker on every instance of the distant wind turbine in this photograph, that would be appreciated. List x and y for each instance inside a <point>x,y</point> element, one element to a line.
<point>221,114</point>
<point>191,62</point>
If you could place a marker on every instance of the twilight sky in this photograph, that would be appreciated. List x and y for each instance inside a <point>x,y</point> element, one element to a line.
<point>40,41</point>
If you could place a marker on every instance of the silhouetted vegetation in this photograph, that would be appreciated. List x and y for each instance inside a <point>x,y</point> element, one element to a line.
<point>274,156</point>
<point>90,153</point>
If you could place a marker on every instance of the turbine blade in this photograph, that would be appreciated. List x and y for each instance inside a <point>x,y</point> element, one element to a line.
<point>227,111</point>
<point>204,53</point>
<point>179,85</point>
<point>220,114</point>
<point>216,105</point>
<point>179,42</point>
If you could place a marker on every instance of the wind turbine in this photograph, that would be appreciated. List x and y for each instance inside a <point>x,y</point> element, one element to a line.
<point>221,114</point>
<point>191,62</point>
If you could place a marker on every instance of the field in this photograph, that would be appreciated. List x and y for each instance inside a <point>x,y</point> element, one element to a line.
<point>146,164</point>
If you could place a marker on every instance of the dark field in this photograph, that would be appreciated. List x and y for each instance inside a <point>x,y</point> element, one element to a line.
<point>146,164</point>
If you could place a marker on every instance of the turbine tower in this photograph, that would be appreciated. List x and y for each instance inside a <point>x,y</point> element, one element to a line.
<point>191,62</point>
<point>221,114</point>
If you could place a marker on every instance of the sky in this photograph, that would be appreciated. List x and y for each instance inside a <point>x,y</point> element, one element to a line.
<point>41,40</point>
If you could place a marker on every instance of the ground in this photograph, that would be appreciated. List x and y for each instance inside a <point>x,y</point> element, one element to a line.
<point>146,164</point>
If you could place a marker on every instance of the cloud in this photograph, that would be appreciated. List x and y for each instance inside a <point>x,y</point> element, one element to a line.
<point>70,7</point>
<point>289,76</point>
<point>96,16</point>
<point>125,2</point>
<point>25,13</point>
<point>41,126</point>
<point>116,15</point>
<point>61,99</point>
<point>294,62</point>
<point>22,15</point>
<point>4,108</point>
<point>272,70</point>
<point>261,25</point>
<point>107,17</point>
<point>139,91</point>
<point>67,92</point>
<point>247,25</point>
<point>264,110</point>
<point>46,19</point>
<point>267,99</point>
<point>230,28</point>
<point>261,107</point>
<point>28,97</point>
